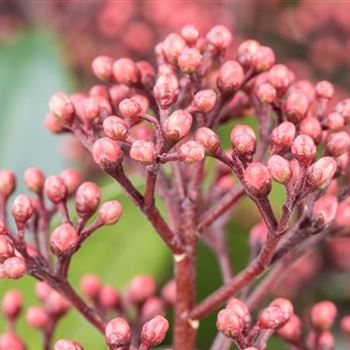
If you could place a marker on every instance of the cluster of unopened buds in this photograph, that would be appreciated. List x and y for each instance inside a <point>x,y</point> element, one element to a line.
<point>162,124</point>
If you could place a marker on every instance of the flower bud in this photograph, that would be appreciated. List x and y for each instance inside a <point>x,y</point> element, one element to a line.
<point>296,106</point>
<point>152,307</point>
<point>71,179</point>
<point>110,212</point>
<point>115,128</point>
<point>108,297</point>
<point>142,101</point>
<point>189,60</point>
<point>42,290</point>
<point>90,285</point>
<point>323,315</point>
<point>102,66</point>
<point>62,107</point>
<point>283,135</point>
<point>207,138</point>
<point>34,179</point>
<point>143,151</point>
<point>220,37</point>
<point>229,323</point>
<point>304,149</point>
<point>107,150</point>
<point>343,107</point>
<point>286,307</point>
<point>63,239</point>
<point>154,331</point>
<point>178,125</point>
<point>272,318</point>
<point>345,325</point>
<point>342,218</point>
<point>12,304</point>
<point>231,77</point>
<point>7,183</point>
<point>279,169</point>
<point>325,89</point>
<point>118,93</point>
<point>6,248</point>
<point>326,341</point>
<point>64,344</point>
<point>241,309</point>
<point>258,179</point>
<point>55,304</point>
<point>37,317</point>
<point>55,189</point>
<point>99,91</point>
<point>204,100</point>
<point>118,333</point>
<point>191,152</point>
<point>264,59</point>
<point>246,52</point>
<point>87,199</point>
<point>140,289</point>
<point>266,93</point>
<point>91,109</point>
<point>312,127</point>
<point>324,210</point>
<point>130,109</point>
<point>52,124</point>
<point>168,292</point>
<point>257,236</point>
<point>280,77</point>
<point>190,34</point>
<point>243,139</point>
<point>335,121</point>
<point>11,341</point>
<point>338,143</point>
<point>15,267</point>
<point>125,71</point>
<point>22,209</point>
<point>292,330</point>
<point>166,90</point>
<point>321,172</point>
<point>172,47</point>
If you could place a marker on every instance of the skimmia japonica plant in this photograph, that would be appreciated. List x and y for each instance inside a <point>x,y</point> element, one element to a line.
<point>161,122</point>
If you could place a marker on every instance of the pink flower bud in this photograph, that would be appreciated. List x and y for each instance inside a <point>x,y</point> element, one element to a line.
<point>143,151</point>
<point>118,93</point>
<point>166,90</point>
<point>283,135</point>
<point>42,290</point>
<point>241,309</point>
<point>22,209</point>
<point>231,77</point>
<point>325,210</point>
<point>115,128</point>
<point>178,125</point>
<point>52,124</point>
<point>338,143</point>
<point>286,307</point>
<point>125,71</point>
<point>204,100</point>
<point>91,110</point>
<point>172,47</point>
<point>189,60</point>
<point>118,333</point>
<point>140,289</point>
<point>152,307</point>
<point>87,199</point>
<point>304,149</point>
<point>71,179</point>
<point>257,236</point>
<point>107,151</point>
<point>243,139</point>
<point>12,304</point>
<point>342,218</point>
<point>272,318</point>
<point>345,325</point>
<point>343,107</point>
<point>258,179</point>
<point>266,93</point>
<point>312,127</point>
<point>325,89</point>
<point>15,267</point>
<point>190,34</point>
<point>99,91</point>
<point>7,183</point>
<point>168,292</point>
<point>279,169</point>
<point>11,341</point>
<point>142,101</point>
<point>280,77</point>
<point>321,172</point>
<point>130,109</point>
<point>264,59</point>
<point>55,189</point>
<point>229,323</point>
<point>191,152</point>
<point>154,331</point>
<point>207,138</point>
<point>6,248</point>
<point>63,239</point>
<point>304,87</point>
<point>55,304</point>
<point>246,52</point>
<point>296,106</point>
<point>147,73</point>
<point>64,344</point>
<point>90,285</point>
<point>102,66</point>
<point>34,179</point>
<point>335,121</point>
<point>62,107</point>
<point>3,273</point>
<point>292,330</point>
<point>37,317</point>
<point>110,212</point>
<point>326,341</point>
<point>220,37</point>
<point>323,315</point>
<point>108,297</point>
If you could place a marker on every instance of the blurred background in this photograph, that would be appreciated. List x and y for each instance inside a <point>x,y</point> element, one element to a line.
<point>47,46</point>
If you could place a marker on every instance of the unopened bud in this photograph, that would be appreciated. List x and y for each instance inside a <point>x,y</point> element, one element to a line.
<point>321,172</point>
<point>107,150</point>
<point>91,110</point>
<point>34,179</point>
<point>62,107</point>
<point>304,149</point>
<point>272,318</point>
<point>286,307</point>
<point>10,340</point>
<point>280,77</point>
<point>189,60</point>
<point>140,289</point>
<point>12,304</point>
<point>7,183</point>
<point>280,169</point>
<point>115,128</point>
<point>220,37</point>
<point>338,143</point>
<point>118,333</point>
<point>42,290</point>
<point>229,323</point>
<point>37,317</point>
<point>55,189</point>
<point>143,151</point>
<point>325,89</point>
<point>323,315</point>
<point>125,71</point>
<point>87,199</point>
<point>102,67</point>
<point>257,236</point>
<point>15,267</point>
<point>246,52</point>
<point>325,210</point>
<point>296,106</point>
<point>343,107</point>
<point>172,47</point>
<point>178,125</point>
<point>110,212</point>
<point>6,248</point>
<point>168,292</point>
<point>204,100</point>
<point>166,90</point>
<point>191,152</point>
<point>55,304</point>
<point>118,93</point>
<point>207,138</point>
<point>108,297</point>
<point>154,331</point>
<point>64,344</point>
<point>266,93</point>
<point>241,309</point>
<point>264,59</point>
<point>292,330</point>
<point>335,121</point>
<point>312,127</point>
<point>152,307</point>
<point>283,135</point>
<point>190,34</point>
<point>345,325</point>
<point>130,109</point>
<point>243,139</point>
<point>71,179</point>
<point>258,178</point>
<point>52,124</point>
<point>63,239</point>
<point>90,285</point>
<point>22,209</point>
<point>231,77</point>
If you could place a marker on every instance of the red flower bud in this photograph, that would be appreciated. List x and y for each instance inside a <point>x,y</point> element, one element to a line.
<point>243,139</point>
<point>15,267</point>
<point>323,315</point>
<point>130,109</point>
<point>62,107</point>
<point>325,89</point>
<point>22,209</point>
<point>231,77</point>
<point>55,304</point>
<point>172,47</point>
<point>335,121</point>
<point>7,183</point>
<point>102,66</point>
<point>338,143</point>
<point>189,60</point>
<point>264,59</point>
<point>258,178</point>
<point>90,285</point>
<point>63,239</point>
<point>168,292</point>
<point>272,318</point>
<point>266,93</point>
<point>280,77</point>
<point>304,149</point>
<point>178,125</point>
<point>190,34</point>
<point>143,151</point>
<point>37,317</point>
<point>108,297</point>
<point>204,100</point>
<point>345,325</point>
<point>292,330</point>
<point>52,124</point>
<point>107,150</point>
<point>11,341</point>
<point>191,152</point>
<point>207,138</point>
<point>71,179</point>
<point>152,307</point>
<point>321,172</point>
<point>110,212</point>
<point>312,127</point>
<point>296,105</point>
<point>246,52</point>
<point>64,344</point>
<point>115,128</point>
<point>220,37</point>
<point>55,189</point>
<point>118,333</point>
<point>286,307</point>
<point>241,309</point>
<point>87,199</point>
<point>283,135</point>
<point>34,179</point>
<point>343,107</point>
<point>229,323</point>
<point>125,71</point>
<point>154,331</point>
<point>140,289</point>
<point>325,210</point>
<point>12,304</point>
<point>6,248</point>
<point>166,90</point>
<point>279,169</point>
